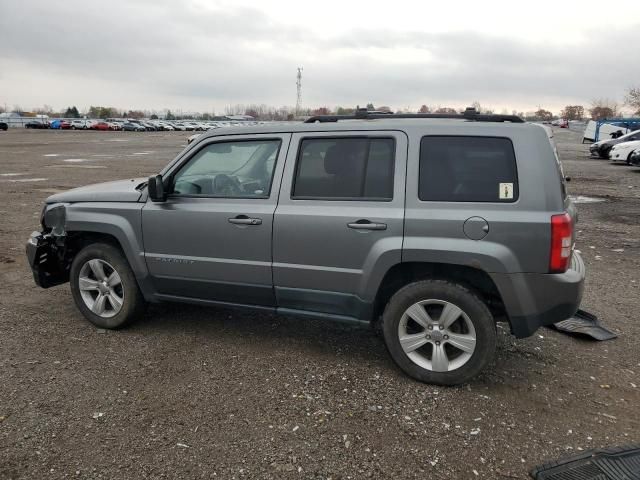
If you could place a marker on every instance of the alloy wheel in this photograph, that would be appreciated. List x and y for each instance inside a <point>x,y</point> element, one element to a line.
<point>101,288</point>
<point>437,335</point>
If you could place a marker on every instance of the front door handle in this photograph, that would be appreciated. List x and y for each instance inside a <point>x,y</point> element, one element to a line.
<point>245,220</point>
<point>367,225</point>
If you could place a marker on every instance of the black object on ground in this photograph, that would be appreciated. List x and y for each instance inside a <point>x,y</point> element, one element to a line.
<point>618,463</point>
<point>584,323</point>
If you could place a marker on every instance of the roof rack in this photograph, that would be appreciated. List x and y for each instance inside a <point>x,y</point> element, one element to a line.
<point>364,114</point>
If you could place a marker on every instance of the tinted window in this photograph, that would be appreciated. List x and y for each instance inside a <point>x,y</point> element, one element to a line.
<point>229,169</point>
<point>349,168</point>
<point>467,169</point>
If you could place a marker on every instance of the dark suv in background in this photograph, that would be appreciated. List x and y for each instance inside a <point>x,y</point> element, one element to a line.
<point>437,226</point>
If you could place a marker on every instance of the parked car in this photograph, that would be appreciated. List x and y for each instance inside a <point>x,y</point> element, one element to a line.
<point>37,124</point>
<point>4,126</point>
<point>623,151</point>
<point>422,224</point>
<point>133,127</point>
<point>635,157</point>
<point>78,124</point>
<point>603,147</point>
<point>101,126</point>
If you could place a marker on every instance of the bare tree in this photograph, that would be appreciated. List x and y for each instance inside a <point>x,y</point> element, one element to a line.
<point>573,112</point>
<point>543,114</point>
<point>448,110</point>
<point>603,108</point>
<point>632,99</point>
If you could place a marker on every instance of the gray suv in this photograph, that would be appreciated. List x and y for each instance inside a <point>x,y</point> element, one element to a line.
<point>432,227</point>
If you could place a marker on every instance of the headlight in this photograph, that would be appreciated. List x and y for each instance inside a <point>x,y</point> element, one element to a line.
<point>54,218</point>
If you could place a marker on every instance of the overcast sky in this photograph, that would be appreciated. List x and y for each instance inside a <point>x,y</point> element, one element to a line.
<point>201,55</point>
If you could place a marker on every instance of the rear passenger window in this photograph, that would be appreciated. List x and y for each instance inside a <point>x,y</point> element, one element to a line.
<point>345,168</point>
<point>467,169</point>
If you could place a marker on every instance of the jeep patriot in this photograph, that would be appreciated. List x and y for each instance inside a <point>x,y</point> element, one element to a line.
<point>431,227</point>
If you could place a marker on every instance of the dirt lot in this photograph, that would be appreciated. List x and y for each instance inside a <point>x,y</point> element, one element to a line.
<point>191,392</point>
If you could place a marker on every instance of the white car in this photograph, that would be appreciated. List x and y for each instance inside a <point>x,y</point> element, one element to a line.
<point>79,124</point>
<point>623,151</point>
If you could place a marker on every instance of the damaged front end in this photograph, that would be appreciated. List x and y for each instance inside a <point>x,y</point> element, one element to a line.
<point>46,250</point>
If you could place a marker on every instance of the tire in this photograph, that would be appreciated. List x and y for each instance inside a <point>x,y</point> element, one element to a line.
<point>474,328</point>
<point>629,158</point>
<point>126,291</point>
<point>73,127</point>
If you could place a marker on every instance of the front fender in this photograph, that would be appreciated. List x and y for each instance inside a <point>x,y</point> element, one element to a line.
<point>120,220</point>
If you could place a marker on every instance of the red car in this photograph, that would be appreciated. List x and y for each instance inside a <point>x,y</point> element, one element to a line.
<point>100,126</point>
<point>65,125</point>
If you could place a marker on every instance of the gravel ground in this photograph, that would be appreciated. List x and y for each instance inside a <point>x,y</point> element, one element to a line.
<point>190,392</point>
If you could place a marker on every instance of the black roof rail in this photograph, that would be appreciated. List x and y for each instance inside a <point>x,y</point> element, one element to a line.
<point>363,114</point>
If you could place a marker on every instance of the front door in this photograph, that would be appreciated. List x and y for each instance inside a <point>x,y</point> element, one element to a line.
<point>339,222</point>
<point>211,239</point>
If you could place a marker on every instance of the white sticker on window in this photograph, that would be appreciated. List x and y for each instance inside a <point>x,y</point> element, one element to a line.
<point>506,191</point>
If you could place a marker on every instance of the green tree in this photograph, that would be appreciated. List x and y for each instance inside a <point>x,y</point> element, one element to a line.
<point>154,117</point>
<point>169,115</point>
<point>72,112</point>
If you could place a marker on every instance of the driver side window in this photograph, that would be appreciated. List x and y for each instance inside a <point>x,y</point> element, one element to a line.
<point>236,169</point>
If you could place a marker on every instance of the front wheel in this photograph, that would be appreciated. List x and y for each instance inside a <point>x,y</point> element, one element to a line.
<point>439,332</point>
<point>104,287</point>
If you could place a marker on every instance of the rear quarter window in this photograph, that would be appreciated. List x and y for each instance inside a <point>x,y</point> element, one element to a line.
<point>467,169</point>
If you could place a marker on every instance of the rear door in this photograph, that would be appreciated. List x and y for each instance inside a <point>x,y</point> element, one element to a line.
<point>339,218</point>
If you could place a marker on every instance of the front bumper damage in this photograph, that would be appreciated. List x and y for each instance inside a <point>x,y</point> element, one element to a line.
<point>45,253</point>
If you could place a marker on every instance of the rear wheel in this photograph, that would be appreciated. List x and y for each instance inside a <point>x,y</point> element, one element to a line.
<point>104,287</point>
<point>439,332</point>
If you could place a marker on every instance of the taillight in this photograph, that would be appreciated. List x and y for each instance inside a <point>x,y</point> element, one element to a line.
<point>561,238</point>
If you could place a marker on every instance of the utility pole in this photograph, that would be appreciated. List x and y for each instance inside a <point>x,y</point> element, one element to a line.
<point>299,91</point>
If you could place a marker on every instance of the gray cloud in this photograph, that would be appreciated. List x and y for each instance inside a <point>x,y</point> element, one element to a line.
<point>157,55</point>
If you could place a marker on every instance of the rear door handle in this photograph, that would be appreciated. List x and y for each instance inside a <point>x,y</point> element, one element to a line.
<point>367,225</point>
<point>245,220</point>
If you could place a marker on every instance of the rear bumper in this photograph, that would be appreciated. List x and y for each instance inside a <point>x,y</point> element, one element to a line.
<point>533,300</point>
<point>44,256</point>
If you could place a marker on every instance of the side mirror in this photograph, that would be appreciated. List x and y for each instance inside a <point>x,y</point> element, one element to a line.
<point>156,189</point>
